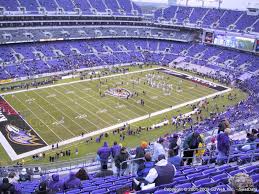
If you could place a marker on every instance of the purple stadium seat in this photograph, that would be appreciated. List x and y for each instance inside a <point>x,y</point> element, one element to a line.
<point>204,183</point>
<point>234,172</point>
<point>221,178</point>
<point>98,191</point>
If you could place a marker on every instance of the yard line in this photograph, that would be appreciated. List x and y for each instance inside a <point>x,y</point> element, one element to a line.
<point>201,88</point>
<point>62,111</point>
<point>129,102</point>
<point>182,96</point>
<point>146,100</point>
<point>27,108</point>
<point>26,122</point>
<point>94,91</point>
<point>104,130</point>
<point>133,99</point>
<point>80,106</point>
<point>51,115</point>
<point>78,81</point>
<point>150,90</point>
<point>100,101</point>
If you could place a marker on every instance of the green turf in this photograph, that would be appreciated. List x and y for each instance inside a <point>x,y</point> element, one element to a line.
<point>41,112</point>
<point>62,112</point>
<point>132,141</point>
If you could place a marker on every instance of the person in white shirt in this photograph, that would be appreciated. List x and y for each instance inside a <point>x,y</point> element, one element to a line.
<point>158,149</point>
<point>162,173</point>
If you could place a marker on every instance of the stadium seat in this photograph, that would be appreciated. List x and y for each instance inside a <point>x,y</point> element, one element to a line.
<point>221,178</point>
<point>205,183</point>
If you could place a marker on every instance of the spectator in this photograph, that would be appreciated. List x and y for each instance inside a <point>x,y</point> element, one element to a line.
<point>104,153</point>
<point>174,143</point>
<point>119,161</point>
<point>140,153</point>
<point>71,181</point>
<point>251,141</point>
<point>104,172</point>
<point>6,187</point>
<point>115,149</point>
<point>201,151</point>
<point>24,176</point>
<point>174,159</point>
<point>191,142</point>
<point>212,147</point>
<point>158,149</point>
<point>224,124</point>
<point>242,183</point>
<point>13,180</point>
<point>43,189</point>
<point>162,173</point>
<point>82,174</point>
<point>223,145</point>
<point>144,168</point>
<point>56,184</point>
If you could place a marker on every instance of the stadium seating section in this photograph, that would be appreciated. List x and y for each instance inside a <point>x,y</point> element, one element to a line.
<point>30,59</point>
<point>216,178</point>
<point>87,7</point>
<point>99,46</point>
<point>230,20</point>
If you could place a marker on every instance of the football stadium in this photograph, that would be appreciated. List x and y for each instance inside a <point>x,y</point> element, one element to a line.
<point>129,96</point>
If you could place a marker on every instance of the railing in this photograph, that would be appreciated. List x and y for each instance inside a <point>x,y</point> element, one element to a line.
<point>131,162</point>
<point>92,164</point>
<point>57,166</point>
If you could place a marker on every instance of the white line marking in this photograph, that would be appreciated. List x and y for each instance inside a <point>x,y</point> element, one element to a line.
<point>104,130</point>
<point>79,81</point>
<point>94,133</point>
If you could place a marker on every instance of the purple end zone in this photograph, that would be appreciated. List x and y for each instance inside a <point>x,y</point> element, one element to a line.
<point>19,134</point>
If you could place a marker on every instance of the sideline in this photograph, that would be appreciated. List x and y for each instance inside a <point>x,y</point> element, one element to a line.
<point>14,156</point>
<point>79,81</point>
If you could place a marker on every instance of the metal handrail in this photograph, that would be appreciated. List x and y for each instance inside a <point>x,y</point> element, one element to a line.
<point>181,150</point>
<point>131,161</point>
<point>84,162</point>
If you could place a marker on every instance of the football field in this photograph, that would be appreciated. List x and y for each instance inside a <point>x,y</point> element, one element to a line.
<point>63,111</point>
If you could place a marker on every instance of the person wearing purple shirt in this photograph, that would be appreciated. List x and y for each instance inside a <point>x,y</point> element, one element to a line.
<point>223,146</point>
<point>115,149</point>
<point>104,153</point>
<point>56,184</point>
<point>71,181</point>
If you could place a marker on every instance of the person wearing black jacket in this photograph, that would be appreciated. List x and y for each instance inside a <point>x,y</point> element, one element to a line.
<point>119,161</point>
<point>173,144</point>
<point>6,187</point>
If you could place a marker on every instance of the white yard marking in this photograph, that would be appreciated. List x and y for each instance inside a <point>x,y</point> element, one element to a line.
<point>51,96</point>
<point>62,112</point>
<point>13,156</point>
<point>87,89</point>
<point>101,111</point>
<point>50,114</point>
<point>79,81</point>
<point>81,116</point>
<point>61,122</point>
<point>69,92</point>
<point>120,106</point>
<point>30,100</point>
<point>82,107</point>
<point>27,108</point>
